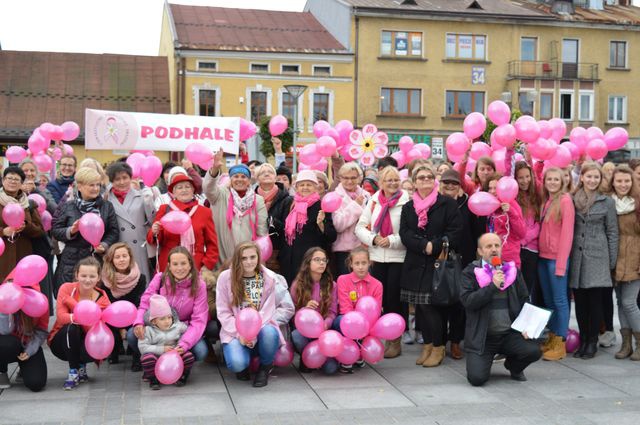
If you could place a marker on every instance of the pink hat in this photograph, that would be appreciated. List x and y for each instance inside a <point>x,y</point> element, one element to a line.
<point>307,175</point>
<point>158,307</point>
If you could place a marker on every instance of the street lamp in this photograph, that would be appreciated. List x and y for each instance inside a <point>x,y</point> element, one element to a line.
<point>295,91</point>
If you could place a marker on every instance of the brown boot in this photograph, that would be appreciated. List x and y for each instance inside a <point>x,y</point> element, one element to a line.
<point>436,357</point>
<point>557,350</point>
<point>456,352</point>
<point>394,349</point>
<point>546,346</point>
<point>426,352</point>
<point>636,354</point>
<point>626,348</point>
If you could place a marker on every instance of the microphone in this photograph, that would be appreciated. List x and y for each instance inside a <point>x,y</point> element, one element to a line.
<point>496,262</point>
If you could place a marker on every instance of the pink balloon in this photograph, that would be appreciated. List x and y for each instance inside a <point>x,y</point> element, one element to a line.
<point>558,129</point>
<point>47,221</point>
<point>350,353</point>
<point>169,367</point>
<point>507,189</point>
<point>70,131</point>
<point>43,162</point>
<point>35,304</point>
<point>498,157</point>
<point>573,341</point>
<point>424,149</point>
<point>67,149</point>
<point>309,323</point>
<point>370,308</point>
<point>40,202</point>
<point>331,202</point>
<point>11,298</point>
<point>326,146</point>
<point>479,149</point>
<point>284,355</point>
<point>134,160</point>
<point>412,155</point>
<point>86,313</point>
<point>405,144</point>
<point>594,133</point>
<point>247,129</point>
<point>331,343</point>
<point>13,215</point>
<point>372,350</point>
<point>616,138</point>
<point>277,125</point>
<point>265,246</point>
<point>573,149</point>
<point>91,228</point>
<point>2,247</point>
<point>543,149</point>
<point>527,129</point>
<point>399,157</point>
<point>562,157</point>
<point>474,125</point>
<point>319,166</point>
<point>56,154</point>
<point>309,154</point>
<point>457,144</point>
<point>198,153</point>
<point>344,128</point>
<point>46,128</point>
<point>150,170</point>
<point>344,152</point>
<point>319,127</point>
<point>120,314</point>
<point>455,158</point>
<point>578,136</point>
<point>57,133</point>
<point>333,133</point>
<point>597,149</point>
<point>545,129</point>
<point>15,154</point>
<point>99,341</point>
<point>312,355</point>
<point>354,325</point>
<point>248,323</point>
<point>176,222</point>
<point>37,143</point>
<point>499,112</point>
<point>471,166</point>
<point>505,135</point>
<point>389,326</point>
<point>30,270</point>
<point>483,203</point>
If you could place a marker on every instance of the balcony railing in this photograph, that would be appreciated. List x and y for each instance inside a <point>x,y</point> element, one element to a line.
<point>553,70</point>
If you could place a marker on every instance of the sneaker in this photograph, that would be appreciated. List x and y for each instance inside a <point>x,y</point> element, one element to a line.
<point>346,368</point>
<point>154,384</point>
<point>607,339</point>
<point>72,380</point>
<point>498,358</point>
<point>82,374</point>
<point>359,364</point>
<point>407,338</point>
<point>4,381</point>
<point>419,338</point>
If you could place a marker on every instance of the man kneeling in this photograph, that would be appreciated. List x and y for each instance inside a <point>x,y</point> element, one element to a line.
<point>492,303</point>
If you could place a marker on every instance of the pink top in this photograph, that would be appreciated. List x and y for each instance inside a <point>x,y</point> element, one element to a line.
<point>556,237</point>
<point>345,219</point>
<point>315,296</point>
<point>351,288</point>
<point>512,226</point>
<point>530,240</point>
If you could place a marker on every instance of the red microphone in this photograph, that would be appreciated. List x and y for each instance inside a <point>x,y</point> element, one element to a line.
<point>496,262</point>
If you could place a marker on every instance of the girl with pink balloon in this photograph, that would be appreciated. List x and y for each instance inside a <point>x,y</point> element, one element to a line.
<point>161,336</point>
<point>186,293</point>
<point>315,289</point>
<point>20,224</point>
<point>67,337</point>
<point>246,307</point>
<point>86,225</point>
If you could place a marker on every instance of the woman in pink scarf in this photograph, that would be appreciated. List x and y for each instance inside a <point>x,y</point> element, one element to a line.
<point>425,222</point>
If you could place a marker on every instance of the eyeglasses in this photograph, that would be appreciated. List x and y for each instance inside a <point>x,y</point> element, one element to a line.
<point>320,260</point>
<point>13,180</point>
<point>422,178</point>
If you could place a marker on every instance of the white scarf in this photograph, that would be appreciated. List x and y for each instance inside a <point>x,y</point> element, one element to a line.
<point>625,205</point>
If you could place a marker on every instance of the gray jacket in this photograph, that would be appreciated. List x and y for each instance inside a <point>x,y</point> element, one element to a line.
<point>155,339</point>
<point>595,246</point>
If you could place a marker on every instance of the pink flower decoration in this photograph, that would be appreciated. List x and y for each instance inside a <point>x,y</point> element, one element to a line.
<point>368,144</point>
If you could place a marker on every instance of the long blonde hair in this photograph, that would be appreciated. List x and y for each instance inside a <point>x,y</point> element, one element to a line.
<point>554,206</point>
<point>108,269</point>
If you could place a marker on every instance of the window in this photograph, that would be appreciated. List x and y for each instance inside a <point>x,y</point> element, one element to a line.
<point>321,71</point>
<point>461,103</point>
<point>546,106</point>
<point>207,66</point>
<point>617,109</point>
<point>585,112</point>
<point>466,46</point>
<point>260,68</point>
<point>207,100</point>
<point>290,69</point>
<point>288,105</point>
<point>400,101</point>
<point>320,107</point>
<point>258,106</point>
<point>526,105</point>
<point>618,54</point>
<point>401,44</point>
<point>570,50</point>
<point>528,48</point>
<point>566,106</point>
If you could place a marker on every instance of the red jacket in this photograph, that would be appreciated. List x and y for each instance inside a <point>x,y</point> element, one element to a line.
<point>517,230</point>
<point>351,288</point>
<point>206,247</point>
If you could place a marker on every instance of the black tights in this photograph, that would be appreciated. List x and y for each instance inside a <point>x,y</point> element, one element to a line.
<point>432,320</point>
<point>589,312</point>
<point>390,274</point>
<point>68,345</point>
<point>34,369</point>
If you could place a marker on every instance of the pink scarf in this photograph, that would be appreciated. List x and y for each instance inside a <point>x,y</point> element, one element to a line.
<point>124,282</point>
<point>297,218</point>
<point>422,206</point>
<point>383,225</point>
<point>239,207</point>
<point>188,238</point>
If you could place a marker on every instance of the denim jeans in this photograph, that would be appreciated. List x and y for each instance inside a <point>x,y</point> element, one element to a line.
<point>299,341</point>
<point>238,356</point>
<point>554,291</point>
<point>200,350</point>
<point>628,312</point>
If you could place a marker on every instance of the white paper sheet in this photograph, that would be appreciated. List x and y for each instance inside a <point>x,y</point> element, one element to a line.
<point>531,320</point>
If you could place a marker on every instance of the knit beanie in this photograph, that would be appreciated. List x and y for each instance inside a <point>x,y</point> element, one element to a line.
<point>158,307</point>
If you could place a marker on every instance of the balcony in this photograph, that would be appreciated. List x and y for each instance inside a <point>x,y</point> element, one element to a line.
<point>553,70</point>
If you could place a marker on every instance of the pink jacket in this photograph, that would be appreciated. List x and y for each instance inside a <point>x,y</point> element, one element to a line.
<point>315,296</point>
<point>227,312</point>
<point>351,288</point>
<point>192,311</point>
<point>556,237</point>
<point>530,240</point>
<point>516,231</point>
<point>346,218</point>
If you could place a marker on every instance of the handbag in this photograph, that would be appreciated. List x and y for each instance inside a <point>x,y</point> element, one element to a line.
<point>447,273</point>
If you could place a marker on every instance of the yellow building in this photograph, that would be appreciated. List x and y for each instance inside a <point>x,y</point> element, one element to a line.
<point>422,66</point>
<point>236,62</point>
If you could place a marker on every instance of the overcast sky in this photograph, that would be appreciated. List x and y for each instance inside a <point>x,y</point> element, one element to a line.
<point>99,26</point>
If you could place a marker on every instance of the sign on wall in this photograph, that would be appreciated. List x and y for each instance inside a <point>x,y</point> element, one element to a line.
<point>437,148</point>
<point>477,75</point>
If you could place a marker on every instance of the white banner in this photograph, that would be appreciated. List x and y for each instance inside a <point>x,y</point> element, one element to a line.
<point>111,130</point>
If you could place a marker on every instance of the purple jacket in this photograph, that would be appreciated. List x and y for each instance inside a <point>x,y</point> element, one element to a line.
<point>227,312</point>
<point>192,311</point>
<point>315,296</point>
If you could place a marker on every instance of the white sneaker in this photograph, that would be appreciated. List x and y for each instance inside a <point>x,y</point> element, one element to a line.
<point>607,339</point>
<point>419,338</point>
<point>4,381</point>
<point>407,338</point>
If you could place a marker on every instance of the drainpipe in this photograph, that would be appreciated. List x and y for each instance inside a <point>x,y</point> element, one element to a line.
<point>355,82</point>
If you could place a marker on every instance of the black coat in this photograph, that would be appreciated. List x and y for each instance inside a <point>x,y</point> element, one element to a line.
<point>277,215</point>
<point>472,228</point>
<point>76,248</point>
<point>477,303</point>
<point>133,296</point>
<point>443,220</point>
<point>290,256</point>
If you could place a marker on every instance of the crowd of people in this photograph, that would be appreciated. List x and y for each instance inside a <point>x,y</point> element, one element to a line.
<point>571,233</point>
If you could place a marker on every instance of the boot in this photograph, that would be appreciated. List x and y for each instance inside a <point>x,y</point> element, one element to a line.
<point>626,348</point>
<point>435,358</point>
<point>546,346</point>
<point>636,354</point>
<point>394,349</point>
<point>262,377</point>
<point>580,351</point>
<point>183,379</point>
<point>591,349</point>
<point>456,352</point>
<point>426,352</point>
<point>557,350</point>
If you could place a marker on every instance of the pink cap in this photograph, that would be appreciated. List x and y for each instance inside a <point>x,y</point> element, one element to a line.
<point>158,307</point>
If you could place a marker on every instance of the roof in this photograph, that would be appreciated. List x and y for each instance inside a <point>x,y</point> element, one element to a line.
<point>250,30</point>
<point>37,87</point>
<point>613,15</point>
